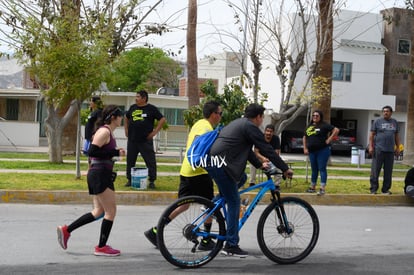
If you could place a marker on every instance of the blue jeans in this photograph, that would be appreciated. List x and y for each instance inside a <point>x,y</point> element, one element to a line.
<point>319,160</point>
<point>229,189</point>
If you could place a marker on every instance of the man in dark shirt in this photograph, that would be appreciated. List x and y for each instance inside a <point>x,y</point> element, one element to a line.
<point>409,183</point>
<point>139,129</point>
<point>274,141</point>
<point>384,143</point>
<point>234,147</point>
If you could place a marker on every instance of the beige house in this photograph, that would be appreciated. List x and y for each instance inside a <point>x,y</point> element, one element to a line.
<point>22,107</point>
<point>22,113</point>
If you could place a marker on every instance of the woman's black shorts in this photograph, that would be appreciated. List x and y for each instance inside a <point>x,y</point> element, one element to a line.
<point>99,180</point>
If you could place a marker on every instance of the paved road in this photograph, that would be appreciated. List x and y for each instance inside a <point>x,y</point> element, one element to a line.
<point>353,240</point>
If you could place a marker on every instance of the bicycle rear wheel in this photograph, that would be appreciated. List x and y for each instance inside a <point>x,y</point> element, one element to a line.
<point>178,240</point>
<point>276,242</point>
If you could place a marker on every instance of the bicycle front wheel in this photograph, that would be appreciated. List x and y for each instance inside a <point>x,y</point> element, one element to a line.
<point>288,245</point>
<point>179,240</point>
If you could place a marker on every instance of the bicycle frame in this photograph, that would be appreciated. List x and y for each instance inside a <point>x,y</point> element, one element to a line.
<point>265,186</point>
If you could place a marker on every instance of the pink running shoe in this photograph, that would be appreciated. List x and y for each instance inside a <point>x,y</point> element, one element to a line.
<point>106,251</point>
<point>63,236</point>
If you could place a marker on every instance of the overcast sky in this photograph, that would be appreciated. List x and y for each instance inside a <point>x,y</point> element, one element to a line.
<point>217,12</point>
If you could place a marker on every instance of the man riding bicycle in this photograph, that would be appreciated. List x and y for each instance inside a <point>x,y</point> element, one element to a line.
<point>234,148</point>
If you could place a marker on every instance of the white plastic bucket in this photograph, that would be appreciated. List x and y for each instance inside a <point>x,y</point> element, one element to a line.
<point>354,155</point>
<point>139,177</point>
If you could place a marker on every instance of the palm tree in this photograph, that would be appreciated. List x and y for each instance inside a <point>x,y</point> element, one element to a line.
<point>192,78</point>
<point>322,80</point>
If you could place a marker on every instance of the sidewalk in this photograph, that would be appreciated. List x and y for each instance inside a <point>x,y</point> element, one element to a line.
<point>164,198</point>
<point>177,154</point>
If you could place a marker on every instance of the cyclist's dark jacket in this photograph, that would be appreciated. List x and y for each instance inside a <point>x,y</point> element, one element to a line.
<point>235,143</point>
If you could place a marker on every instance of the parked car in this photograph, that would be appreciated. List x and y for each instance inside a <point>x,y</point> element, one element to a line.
<point>292,141</point>
<point>168,91</point>
<point>344,141</point>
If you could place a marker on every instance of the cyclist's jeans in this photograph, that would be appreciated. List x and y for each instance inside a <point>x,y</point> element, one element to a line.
<point>319,161</point>
<point>229,190</point>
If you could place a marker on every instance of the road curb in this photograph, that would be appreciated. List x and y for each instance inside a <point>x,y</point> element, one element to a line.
<point>165,198</point>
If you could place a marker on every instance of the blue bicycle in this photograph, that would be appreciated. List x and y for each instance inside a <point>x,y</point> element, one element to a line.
<point>287,231</point>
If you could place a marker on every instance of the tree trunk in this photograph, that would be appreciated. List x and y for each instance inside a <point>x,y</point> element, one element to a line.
<point>54,135</point>
<point>322,81</point>
<point>409,141</point>
<point>254,55</point>
<point>192,81</point>
<point>55,126</point>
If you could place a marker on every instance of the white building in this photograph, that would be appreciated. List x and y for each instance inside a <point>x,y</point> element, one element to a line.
<point>222,67</point>
<point>358,72</point>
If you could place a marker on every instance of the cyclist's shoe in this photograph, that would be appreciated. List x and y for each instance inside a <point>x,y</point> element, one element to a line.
<point>234,251</point>
<point>63,236</point>
<point>206,244</point>
<point>151,235</point>
<point>106,251</point>
<point>311,190</point>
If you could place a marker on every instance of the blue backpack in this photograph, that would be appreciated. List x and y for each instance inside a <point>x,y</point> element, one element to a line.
<point>197,154</point>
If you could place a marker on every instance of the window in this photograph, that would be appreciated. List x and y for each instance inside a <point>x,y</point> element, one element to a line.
<point>404,46</point>
<point>342,71</point>
<point>173,116</point>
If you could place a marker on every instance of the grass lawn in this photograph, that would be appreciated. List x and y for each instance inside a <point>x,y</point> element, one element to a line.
<point>339,180</point>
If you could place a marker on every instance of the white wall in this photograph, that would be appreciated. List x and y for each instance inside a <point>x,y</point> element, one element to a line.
<point>19,133</point>
<point>367,66</point>
<point>221,67</point>
<point>366,82</point>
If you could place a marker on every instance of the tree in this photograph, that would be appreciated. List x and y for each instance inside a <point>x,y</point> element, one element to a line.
<point>283,39</point>
<point>322,79</point>
<point>143,68</point>
<point>67,45</point>
<point>247,18</point>
<point>232,101</point>
<point>192,78</point>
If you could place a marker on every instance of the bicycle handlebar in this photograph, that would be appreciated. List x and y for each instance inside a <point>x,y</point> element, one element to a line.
<point>273,170</point>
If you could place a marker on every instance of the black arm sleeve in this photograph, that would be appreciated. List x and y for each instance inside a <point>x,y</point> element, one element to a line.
<point>98,152</point>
